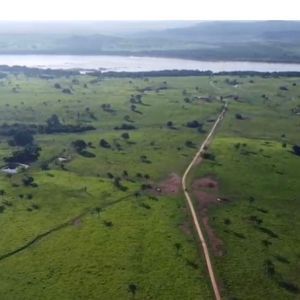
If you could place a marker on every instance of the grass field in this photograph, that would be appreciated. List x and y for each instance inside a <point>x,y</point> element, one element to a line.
<point>258,175</point>
<point>90,229</point>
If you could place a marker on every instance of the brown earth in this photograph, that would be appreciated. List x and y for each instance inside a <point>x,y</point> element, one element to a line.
<point>77,223</point>
<point>170,186</point>
<point>206,191</point>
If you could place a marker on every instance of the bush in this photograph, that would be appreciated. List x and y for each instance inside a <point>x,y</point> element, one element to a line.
<point>103,143</point>
<point>28,181</point>
<point>125,135</point>
<point>79,145</point>
<point>29,154</point>
<point>87,154</point>
<point>125,126</point>
<point>207,155</point>
<point>296,150</point>
<point>239,116</point>
<point>23,137</point>
<point>194,124</point>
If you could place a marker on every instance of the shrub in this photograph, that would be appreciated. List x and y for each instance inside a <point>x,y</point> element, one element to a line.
<point>103,143</point>
<point>296,150</point>
<point>194,124</point>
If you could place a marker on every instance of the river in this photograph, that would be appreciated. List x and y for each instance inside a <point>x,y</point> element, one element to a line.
<point>136,64</point>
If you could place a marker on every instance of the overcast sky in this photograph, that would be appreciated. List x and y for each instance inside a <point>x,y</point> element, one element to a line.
<point>150,10</point>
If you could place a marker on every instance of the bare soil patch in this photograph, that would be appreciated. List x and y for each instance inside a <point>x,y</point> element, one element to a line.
<point>170,186</point>
<point>206,183</point>
<point>77,223</point>
<point>206,191</point>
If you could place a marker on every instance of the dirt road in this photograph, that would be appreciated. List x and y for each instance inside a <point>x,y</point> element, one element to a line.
<point>192,209</point>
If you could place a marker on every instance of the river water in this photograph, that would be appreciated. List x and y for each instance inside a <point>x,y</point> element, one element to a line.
<point>136,64</point>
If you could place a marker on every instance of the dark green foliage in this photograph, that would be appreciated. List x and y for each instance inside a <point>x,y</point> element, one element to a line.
<point>132,288</point>
<point>28,181</point>
<point>45,166</point>
<point>296,150</point>
<point>146,186</point>
<point>103,143</point>
<point>208,155</point>
<point>87,154</point>
<point>125,135</point>
<point>29,154</point>
<point>67,91</point>
<point>23,137</point>
<point>269,232</point>
<point>107,223</point>
<point>194,124</point>
<point>118,184</point>
<point>125,126</point>
<point>290,287</point>
<point>79,145</point>
<point>239,116</point>
<point>54,126</point>
<point>227,221</point>
<point>110,175</point>
<point>190,144</point>
<point>269,267</point>
<point>57,86</point>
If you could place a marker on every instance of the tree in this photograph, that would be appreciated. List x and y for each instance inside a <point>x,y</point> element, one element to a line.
<point>110,175</point>
<point>23,137</point>
<point>170,124</point>
<point>193,124</point>
<point>79,145</point>
<point>296,150</point>
<point>125,136</point>
<point>53,121</point>
<point>132,288</point>
<point>239,116</point>
<point>27,181</point>
<point>57,86</point>
<point>103,143</point>
<point>29,154</point>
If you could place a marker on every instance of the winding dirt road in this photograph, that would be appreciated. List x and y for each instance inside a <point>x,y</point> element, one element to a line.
<point>191,206</point>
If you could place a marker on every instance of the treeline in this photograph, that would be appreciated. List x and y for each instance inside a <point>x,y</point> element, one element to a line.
<point>182,73</point>
<point>53,125</point>
<point>36,72</point>
<point>50,74</point>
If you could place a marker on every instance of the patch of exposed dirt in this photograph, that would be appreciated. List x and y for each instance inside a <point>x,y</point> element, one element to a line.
<point>206,192</point>
<point>77,223</point>
<point>206,183</point>
<point>199,160</point>
<point>215,243</point>
<point>170,186</point>
<point>186,229</point>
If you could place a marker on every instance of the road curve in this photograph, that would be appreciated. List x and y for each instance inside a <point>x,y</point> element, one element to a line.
<point>192,209</point>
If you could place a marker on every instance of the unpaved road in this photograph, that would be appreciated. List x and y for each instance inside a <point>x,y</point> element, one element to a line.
<point>192,209</point>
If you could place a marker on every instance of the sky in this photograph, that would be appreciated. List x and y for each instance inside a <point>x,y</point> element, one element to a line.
<point>150,10</point>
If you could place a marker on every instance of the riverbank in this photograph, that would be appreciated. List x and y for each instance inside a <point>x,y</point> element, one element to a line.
<point>110,63</point>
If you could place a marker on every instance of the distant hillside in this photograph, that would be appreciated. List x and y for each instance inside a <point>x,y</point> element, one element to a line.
<point>234,40</point>
<point>237,31</point>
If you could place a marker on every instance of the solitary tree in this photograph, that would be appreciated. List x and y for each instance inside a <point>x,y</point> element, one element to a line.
<point>125,135</point>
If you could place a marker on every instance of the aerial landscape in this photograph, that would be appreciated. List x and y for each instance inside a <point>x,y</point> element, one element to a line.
<point>149,159</point>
